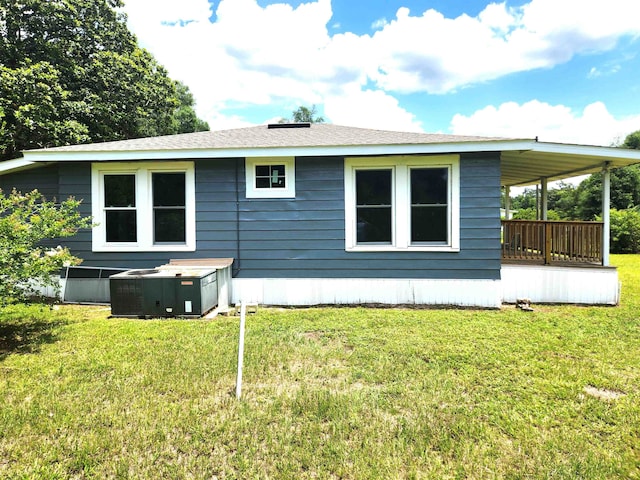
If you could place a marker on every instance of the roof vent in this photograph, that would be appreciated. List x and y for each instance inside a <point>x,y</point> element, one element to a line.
<point>289,125</point>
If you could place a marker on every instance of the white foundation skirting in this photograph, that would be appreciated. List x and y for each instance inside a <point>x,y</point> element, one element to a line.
<point>548,284</point>
<point>340,291</point>
<point>538,283</point>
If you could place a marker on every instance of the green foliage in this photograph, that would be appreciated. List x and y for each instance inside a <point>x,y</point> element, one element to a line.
<point>35,110</point>
<point>632,141</point>
<point>531,214</point>
<point>625,231</point>
<point>303,115</point>
<point>561,203</point>
<point>71,72</point>
<point>625,192</point>
<point>26,220</point>
<point>185,116</point>
<point>526,200</point>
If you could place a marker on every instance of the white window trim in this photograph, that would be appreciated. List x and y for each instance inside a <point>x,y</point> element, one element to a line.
<point>289,172</point>
<point>144,206</point>
<point>401,211</point>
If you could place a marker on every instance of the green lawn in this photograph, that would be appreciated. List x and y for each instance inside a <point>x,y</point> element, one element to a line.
<point>328,393</point>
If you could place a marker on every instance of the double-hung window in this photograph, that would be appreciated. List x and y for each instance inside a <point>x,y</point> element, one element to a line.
<point>143,206</point>
<point>402,203</point>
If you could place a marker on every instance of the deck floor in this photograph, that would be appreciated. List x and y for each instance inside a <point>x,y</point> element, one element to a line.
<point>512,261</point>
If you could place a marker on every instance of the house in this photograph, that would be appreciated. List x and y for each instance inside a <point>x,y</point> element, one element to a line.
<point>327,214</point>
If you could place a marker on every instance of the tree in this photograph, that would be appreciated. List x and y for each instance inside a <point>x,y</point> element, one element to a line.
<point>72,72</point>
<point>26,220</point>
<point>560,200</point>
<point>625,192</point>
<point>632,141</point>
<point>185,116</point>
<point>35,110</point>
<point>303,115</point>
<point>625,231</point>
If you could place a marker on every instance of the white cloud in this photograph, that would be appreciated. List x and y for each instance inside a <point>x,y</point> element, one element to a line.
<point>435,54</point>
<point>370,109</point>
<point>550,123</point>
<point>378,24</point>
<point>278,54</point>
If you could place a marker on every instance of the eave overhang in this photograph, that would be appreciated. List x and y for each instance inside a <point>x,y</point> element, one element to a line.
<point>99,155</point>
<point>523,162</point>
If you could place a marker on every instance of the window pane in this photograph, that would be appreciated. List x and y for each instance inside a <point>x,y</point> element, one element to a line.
<point>262,171</point>
<point>277,176</point>
<point>429,186</point>
<point>263,182</point>
<point>121,225</point>
<point>168,189</point>
<point>169,225</point>
<point>373,225</point>
<point>119,190</point>
<point>373,187</point>
<point>429,224</point>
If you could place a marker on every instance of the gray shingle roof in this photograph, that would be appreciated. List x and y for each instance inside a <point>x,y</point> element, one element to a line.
<point>264,137</point>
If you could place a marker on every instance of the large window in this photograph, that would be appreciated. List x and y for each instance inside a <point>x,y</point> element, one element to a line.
<point>402,203</point>
<point>143,206</point>
<point>270,177</point>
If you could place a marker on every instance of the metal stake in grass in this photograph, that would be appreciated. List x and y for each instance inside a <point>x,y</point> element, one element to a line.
<point>243,314</point>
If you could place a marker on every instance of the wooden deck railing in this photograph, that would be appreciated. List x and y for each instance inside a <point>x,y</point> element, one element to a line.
<point>549,241</point>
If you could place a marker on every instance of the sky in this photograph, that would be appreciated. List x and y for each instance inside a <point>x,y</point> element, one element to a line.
<point>561,70</point>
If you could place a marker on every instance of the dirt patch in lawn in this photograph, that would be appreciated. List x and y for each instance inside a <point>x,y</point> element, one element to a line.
<point>603,394</point>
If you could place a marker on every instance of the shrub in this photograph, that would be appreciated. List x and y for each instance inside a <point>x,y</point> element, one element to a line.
<point>531,214</point>
<point>26,222</point>
<point>625,231</point>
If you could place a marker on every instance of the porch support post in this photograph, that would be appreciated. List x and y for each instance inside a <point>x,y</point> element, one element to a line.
<point>606,218</point>
<point>545,198</point>
<point>507,202</point>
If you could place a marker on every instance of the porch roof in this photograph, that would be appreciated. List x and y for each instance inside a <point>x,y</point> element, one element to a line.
<point>524,161</point>
<point>556,161</point>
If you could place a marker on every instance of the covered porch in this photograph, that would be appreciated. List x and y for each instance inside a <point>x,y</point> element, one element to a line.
<point>548,261</point>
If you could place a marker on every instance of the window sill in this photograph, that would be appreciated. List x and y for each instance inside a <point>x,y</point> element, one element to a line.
<point>139,248</point>
<point>270,193</point>
<point>391,248</point>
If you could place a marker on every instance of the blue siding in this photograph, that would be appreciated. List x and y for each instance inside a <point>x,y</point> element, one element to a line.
<point>45,179</point>
<point>304,237</point>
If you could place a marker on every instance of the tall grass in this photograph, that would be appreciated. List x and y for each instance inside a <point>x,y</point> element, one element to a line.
<point>328,393</point>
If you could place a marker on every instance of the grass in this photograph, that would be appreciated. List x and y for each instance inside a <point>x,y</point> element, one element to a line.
<point>328,393</point>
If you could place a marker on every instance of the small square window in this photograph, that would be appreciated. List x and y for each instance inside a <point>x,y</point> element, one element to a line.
<point>272,177</point>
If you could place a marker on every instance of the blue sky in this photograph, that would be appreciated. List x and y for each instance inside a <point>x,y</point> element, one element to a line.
<point>563,70</point>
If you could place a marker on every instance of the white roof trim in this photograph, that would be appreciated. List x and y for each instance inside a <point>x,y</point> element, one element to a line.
<point>586,150</point>
<point>44,155</point>
<point>14,165</point>
<point>349,150</point>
